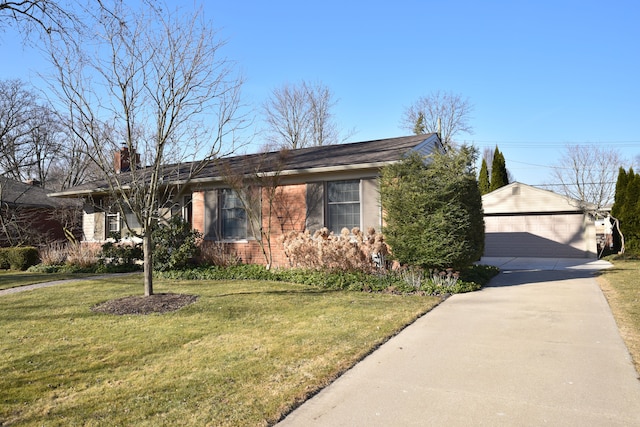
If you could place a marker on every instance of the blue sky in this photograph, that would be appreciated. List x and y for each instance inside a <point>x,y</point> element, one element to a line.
<point>540,74</point>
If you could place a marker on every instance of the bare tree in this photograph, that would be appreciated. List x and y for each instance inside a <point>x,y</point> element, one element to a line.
<point>443,112</point>
<point>300,116</point>
<point>153,82</point>
<point>257,183</point>
<point>30,134</point>
<point>72,165</point>
<point>588,173</point>
<point>16,106</point>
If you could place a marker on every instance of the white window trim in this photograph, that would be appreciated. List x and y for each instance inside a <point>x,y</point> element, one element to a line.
<point>108,217</point>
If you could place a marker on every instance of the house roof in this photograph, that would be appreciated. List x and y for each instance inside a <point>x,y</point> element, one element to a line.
<point>358,155</point>
<point>519,198</point>
<point>14,193</point>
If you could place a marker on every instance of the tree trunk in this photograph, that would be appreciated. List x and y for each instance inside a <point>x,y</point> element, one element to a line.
<point>148,264</point>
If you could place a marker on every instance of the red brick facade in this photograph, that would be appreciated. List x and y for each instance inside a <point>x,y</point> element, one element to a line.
<point>286,213</point>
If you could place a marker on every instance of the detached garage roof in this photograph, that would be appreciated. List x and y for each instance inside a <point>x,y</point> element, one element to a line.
<point>517,198</point>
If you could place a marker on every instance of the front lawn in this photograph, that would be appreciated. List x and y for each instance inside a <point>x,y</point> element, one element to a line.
<point>621,286</point>
<point>243,354</point>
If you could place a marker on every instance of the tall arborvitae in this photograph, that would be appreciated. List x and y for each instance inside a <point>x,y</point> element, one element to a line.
<point>626,208</point>
<point>632,213</point>
<point>419,127</point>
<point>499,176</point>
<point>617,210</point>
<point>483,178</point>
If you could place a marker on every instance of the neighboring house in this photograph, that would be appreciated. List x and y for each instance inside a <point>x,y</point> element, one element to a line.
<point>525,221</point>
<point>28,216</point>
<point>331,186</point>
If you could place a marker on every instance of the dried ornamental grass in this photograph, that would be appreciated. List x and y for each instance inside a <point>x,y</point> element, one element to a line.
<point>350,251</point>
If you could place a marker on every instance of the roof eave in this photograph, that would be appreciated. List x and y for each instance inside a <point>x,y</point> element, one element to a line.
<point>294,172</point>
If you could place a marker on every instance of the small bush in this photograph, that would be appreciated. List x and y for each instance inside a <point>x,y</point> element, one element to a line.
<point>120,253</point>
<point>4,259</point>
<point>175,245</point>
<point>217,253</point>
<point>18,258</point>
<point>54,254</point>
<point>82,255</point>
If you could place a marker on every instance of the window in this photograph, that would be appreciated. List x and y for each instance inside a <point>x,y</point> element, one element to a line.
<point>233,217</point>
<point>187,209</point>
<point>343,205</point>
<point>113,223</point>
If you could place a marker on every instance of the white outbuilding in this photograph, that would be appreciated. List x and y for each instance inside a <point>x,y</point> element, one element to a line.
<point>525,221</point>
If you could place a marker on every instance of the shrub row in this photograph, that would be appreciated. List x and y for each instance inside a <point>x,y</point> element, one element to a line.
<point>471,279</point>
<point>18,258</point>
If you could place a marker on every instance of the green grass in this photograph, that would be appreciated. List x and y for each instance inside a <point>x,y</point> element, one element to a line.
<point>244,354</point>
<point>622,289</point>
<point>12,279</point>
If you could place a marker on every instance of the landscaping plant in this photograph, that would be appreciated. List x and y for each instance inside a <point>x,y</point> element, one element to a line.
<point>433,210</point>
<point>350,251</point>
<point>175,245</point>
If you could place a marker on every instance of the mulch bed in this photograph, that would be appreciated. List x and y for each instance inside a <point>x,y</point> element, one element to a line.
<point>157,303</point>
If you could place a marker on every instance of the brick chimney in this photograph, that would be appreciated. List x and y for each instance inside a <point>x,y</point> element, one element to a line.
<point>122,160</point>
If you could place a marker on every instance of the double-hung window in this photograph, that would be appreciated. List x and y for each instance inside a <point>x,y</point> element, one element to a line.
<point>113,223</point>
<point>343,205</point>
<point>233,217</point>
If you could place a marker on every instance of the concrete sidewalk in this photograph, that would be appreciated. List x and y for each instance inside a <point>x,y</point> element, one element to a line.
<point>539,346</point>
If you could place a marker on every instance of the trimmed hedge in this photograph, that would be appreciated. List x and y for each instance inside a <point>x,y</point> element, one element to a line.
<point>18,258</point>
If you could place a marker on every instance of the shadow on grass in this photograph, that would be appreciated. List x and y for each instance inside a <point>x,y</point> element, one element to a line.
<point>310,291</point>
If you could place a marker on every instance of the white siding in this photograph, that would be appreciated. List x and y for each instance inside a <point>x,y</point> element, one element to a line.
<point>523,221</point>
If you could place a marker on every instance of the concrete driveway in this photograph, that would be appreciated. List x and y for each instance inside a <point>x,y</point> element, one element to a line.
<point>546,264</point>
<point>538,346</point>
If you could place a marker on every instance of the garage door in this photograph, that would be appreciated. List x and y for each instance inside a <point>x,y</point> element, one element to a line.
<point>550,235</point>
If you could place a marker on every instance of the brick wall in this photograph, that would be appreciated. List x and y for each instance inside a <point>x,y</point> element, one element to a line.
<point>287,213</point>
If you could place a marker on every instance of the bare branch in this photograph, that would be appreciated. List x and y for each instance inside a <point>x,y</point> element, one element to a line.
<point>446,112</point>
<point>300,116</point>
<point>588,174</point>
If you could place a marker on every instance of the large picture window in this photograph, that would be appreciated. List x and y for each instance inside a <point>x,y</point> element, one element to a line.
<point>233,217</point>
<point>343,205</point>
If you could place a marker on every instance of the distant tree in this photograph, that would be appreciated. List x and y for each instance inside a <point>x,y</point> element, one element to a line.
<point>587,173</point>
<point>420,127</point>
<point>300,116</point>
<point>620,198</point>
<point>499,174</point>
<point>483,178</point>
<point>433,210</point>
<point>31,134</point>
<point>444,111</point>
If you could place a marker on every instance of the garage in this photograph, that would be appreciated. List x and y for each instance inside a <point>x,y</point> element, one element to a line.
<point>525,221</point>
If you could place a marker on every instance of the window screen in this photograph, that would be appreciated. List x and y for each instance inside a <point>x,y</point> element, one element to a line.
<point>343,205</point>
<point>233,217</point>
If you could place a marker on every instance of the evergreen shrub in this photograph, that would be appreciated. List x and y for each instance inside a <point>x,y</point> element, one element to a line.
<point>18,258</point>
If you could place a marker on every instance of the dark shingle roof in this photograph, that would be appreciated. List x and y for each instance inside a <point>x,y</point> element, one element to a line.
<point>16,193</point>
<point>304,160</point>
